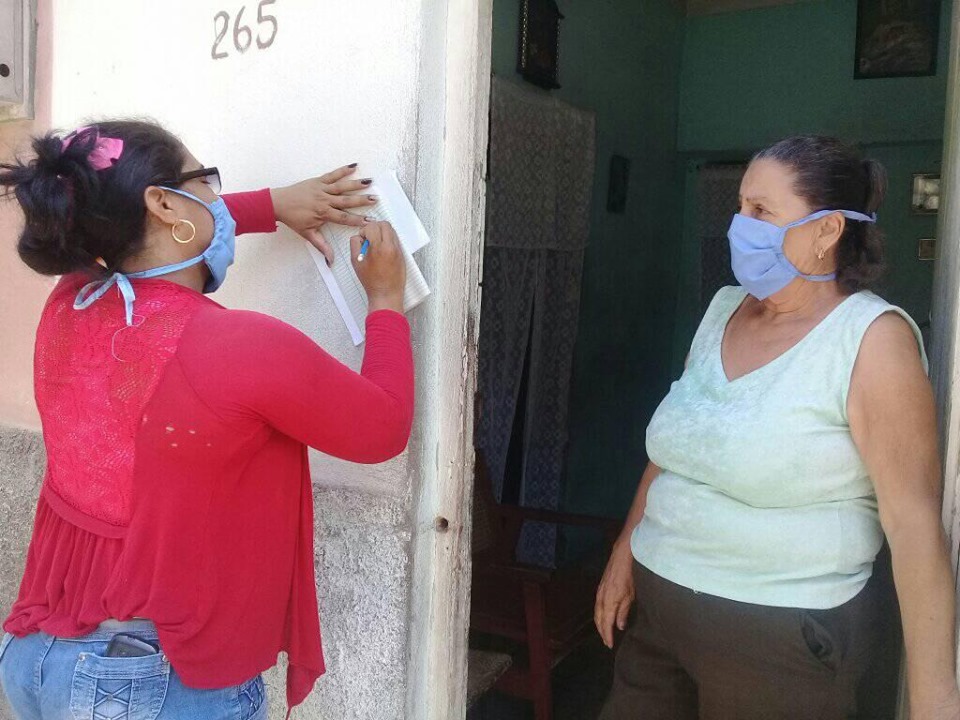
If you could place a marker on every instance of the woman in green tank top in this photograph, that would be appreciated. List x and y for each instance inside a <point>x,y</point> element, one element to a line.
<point>802,431</point>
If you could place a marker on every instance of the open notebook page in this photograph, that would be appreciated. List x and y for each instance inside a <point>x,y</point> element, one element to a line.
<point>348,294</point>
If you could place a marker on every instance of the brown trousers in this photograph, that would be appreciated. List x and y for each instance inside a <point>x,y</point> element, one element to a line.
<point>693,656</point>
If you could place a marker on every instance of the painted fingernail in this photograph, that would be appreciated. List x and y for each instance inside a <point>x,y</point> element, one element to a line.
<point>366,181</point>
<point>369,219</point>
<point>329,262</point>
<point>372,198</point>
<point>352,165</point>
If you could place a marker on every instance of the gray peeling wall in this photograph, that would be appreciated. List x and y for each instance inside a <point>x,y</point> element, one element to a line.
<point>362,561</point>
<point>22,461</point>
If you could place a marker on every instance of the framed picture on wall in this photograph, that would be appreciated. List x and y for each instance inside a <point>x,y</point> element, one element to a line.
<point>927,249</point>
<point>897,38</point>
<point>538,57</point>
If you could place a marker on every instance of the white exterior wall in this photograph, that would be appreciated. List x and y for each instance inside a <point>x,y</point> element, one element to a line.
<point>391,84</point>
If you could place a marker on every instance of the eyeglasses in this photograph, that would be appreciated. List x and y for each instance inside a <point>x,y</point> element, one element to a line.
<point>210,176</point>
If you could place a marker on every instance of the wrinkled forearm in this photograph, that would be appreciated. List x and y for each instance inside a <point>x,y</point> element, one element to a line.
<point>925,588</point>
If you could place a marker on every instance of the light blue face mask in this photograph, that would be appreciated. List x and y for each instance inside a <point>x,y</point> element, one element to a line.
<point>757,257</point>
<point>218,257</point>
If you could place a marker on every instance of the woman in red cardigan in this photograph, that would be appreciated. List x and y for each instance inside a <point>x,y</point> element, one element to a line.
<point>172,554</point>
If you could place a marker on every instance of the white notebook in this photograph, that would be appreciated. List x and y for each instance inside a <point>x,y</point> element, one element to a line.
<point>341,280</point>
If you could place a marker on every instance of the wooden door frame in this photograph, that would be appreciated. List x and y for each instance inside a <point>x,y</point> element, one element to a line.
<point>945,321</point>
<point>440,612</point>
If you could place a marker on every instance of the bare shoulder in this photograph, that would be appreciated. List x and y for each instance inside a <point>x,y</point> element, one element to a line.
<point>889,339</point>
<point>889,359</point>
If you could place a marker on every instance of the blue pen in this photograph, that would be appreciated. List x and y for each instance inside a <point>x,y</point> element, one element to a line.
<point>364,249</point>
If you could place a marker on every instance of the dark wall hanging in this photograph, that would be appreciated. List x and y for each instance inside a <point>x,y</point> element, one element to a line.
<point>539,51</point>
<point>897,38</point>
<point>619,184</point>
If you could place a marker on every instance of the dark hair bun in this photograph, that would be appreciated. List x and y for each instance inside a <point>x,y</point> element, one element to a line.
<point>74,214</point>
<point>45,189</point>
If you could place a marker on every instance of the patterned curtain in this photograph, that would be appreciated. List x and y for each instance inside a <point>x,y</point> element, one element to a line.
<point>538,223</point>
<point>509,284</point>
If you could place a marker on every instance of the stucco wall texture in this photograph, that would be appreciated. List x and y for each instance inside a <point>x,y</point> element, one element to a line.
<point>22,462</point>
<point>340,83</point>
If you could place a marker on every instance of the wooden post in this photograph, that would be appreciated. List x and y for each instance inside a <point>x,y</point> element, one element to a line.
<point>441,572</point>
<point>945,370</point>
<point>944,360</point>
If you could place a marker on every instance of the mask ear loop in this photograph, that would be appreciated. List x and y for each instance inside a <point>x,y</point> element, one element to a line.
<point>137,322</point>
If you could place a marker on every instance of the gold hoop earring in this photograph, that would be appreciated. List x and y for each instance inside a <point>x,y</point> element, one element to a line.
<point>193,231</point>
<point>820,254</point>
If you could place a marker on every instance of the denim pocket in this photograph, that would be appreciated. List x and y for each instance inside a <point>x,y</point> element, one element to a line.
<point>114,688</point>
<point>252,696</point>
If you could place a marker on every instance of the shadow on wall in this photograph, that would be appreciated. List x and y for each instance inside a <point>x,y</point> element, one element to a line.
<point>23,292</point>
<point>22,296</point>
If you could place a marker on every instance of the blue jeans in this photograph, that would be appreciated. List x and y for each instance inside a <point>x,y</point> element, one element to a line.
<point>49,678</point>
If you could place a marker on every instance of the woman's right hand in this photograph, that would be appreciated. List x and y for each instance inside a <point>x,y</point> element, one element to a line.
<point>616,593</point>
<point>383,271</point>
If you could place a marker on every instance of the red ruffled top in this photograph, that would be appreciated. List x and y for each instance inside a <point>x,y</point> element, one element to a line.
<point>177,485</point>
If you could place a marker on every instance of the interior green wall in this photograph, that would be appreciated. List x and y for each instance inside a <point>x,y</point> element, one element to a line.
<point>620,58</point>
<point>669,93</point>
<point>751,78</point>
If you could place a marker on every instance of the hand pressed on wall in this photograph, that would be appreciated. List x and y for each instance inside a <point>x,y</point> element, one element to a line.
<point>306,205</point>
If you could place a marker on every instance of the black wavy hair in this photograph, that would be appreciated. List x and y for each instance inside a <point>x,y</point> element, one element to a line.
<point>75,214</point>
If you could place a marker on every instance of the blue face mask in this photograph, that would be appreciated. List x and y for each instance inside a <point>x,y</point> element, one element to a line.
<point>218,257</point>
<point>757,257</point>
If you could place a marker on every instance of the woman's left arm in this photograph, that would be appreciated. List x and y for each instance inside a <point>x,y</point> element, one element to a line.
<point>893,423</point>
<point>253,211</point>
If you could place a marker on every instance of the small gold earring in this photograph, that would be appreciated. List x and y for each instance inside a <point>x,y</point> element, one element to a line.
<point>193,231</point>
<point>820,254</point>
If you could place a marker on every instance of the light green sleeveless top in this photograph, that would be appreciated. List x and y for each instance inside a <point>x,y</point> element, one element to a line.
<point>763,496</point>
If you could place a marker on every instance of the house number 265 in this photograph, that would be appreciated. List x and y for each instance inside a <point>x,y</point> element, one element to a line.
<point>242,34</point>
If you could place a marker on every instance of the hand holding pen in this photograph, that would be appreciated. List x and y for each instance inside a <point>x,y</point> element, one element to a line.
<point>379,264</point>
